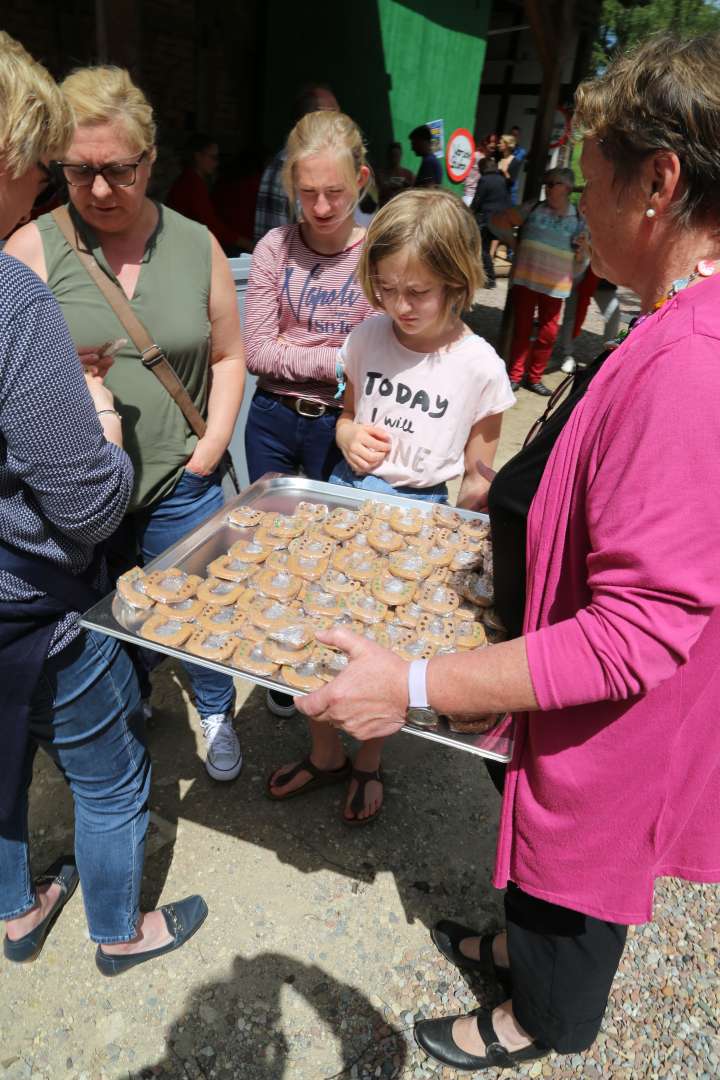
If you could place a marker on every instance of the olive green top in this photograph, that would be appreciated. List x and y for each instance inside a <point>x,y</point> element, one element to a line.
<point>171,299</point>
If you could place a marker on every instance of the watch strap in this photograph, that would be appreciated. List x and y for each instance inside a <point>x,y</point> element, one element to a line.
<point>417,685</point>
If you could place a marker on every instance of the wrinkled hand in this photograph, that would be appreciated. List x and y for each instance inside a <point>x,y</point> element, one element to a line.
<point>369,699</point>
<point>366,447</point>
<point>93,362</point>
<point>102,398</point>
<point>206,456</point>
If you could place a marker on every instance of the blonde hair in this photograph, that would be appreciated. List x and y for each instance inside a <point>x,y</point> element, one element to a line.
<point>104,95</point>
<point>35,121</point>
<point>509,140</point>
<point>439,231</point>
<point>317,132</point>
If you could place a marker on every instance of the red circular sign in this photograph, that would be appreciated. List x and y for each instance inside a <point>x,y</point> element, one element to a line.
<point>459,155</point>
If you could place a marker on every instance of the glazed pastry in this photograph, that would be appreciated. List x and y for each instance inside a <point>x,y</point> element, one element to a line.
<point>306,566</point>
<point>278,559</point>
<point>211,644</point>
<point>296,636</point>
<point>171,585</point>
<point>446,517</point>
<point>367,609</point>
<point>131,587</point>
<point>215,591</point>
<point>278,583</point>
<point>305,676</point>
<point>249,551</point>
<point>287,526</point>
<point>284,654</point>
<point>439,630</point>
<point>438,599</point>
<point>312,546</point>
<point>229,568</point>
<point>316,601</point>
<point>416,649</point>
<point>470,635</point>
<point>314,512</point>
<point>222,619</point>
<point>185,610</point>
<point>166,631</point>
<point>359,565</point>
<point>272,614</point>
<point>384,539</point>
<point>412,565</point>
<point>245,517</point>
<point>408,614</point>
<point>251,656</point>
<point>270,541</point>
<point>341,524</point>
<point>392,590</point>
<point>334,581</point>
<point>475,529</point>
<point>407,520</point>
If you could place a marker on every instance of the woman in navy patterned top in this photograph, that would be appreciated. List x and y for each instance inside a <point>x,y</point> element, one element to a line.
<point>65,483</point>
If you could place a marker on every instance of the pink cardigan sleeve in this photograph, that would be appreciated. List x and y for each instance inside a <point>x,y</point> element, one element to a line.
<point>652,516</point>
<point>264,353</point>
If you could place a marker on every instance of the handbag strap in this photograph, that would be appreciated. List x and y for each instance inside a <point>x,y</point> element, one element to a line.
<point>152,356</point>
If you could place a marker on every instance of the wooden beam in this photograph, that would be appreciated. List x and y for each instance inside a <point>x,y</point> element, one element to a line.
<point>541,20</point>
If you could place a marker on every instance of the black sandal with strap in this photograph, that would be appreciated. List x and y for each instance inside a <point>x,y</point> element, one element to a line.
<point>447,936</point>
<point>318,778</point>
<point>436,1039</point>
<point>358,800</point>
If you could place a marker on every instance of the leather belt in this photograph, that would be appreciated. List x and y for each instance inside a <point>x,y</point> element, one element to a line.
<point>303,406</point>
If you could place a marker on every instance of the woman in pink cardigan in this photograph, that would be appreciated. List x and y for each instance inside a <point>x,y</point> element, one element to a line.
<point>614,681</point>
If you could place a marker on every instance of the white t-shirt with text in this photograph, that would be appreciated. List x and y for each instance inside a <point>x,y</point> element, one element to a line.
<point>427,402</point>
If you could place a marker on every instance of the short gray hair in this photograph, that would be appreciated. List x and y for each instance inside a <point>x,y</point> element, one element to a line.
<point>565,176</point>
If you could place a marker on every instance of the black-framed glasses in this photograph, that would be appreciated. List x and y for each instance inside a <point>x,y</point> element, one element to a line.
<point>116,173</point>
<point>559,395</point>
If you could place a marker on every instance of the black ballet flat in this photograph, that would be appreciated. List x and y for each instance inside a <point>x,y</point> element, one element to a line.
<point>435,1038</point>
<point>63,872</point>
<point>447,936</point>
<point>183,919</point>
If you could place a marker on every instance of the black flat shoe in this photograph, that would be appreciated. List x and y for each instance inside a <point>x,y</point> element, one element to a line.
<point>435,1038</point>
<point>538,388</point>
<point>447,936</point>
<point>182,918</point>
<point>64,873</point>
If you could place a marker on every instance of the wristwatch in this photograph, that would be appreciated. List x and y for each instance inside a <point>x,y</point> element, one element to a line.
<point>419,712</point>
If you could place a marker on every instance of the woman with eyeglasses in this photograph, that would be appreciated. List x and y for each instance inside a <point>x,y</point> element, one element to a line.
<point>614,679</point>
<point>178,282</point>
<point>549,254</point>
<point>65,483</point>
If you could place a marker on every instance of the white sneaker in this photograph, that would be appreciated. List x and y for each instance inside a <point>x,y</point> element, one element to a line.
<point>568,365</point>
<point>280,704</point>
<point>224,756</point>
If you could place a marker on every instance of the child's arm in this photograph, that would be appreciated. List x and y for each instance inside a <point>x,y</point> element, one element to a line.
<point>479,456</point>
<point>363,446</point>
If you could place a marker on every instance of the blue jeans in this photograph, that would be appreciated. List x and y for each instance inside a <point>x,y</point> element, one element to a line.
<point>277,439</point>
<point>86,715</point>
<point>342,474</point>
<point>192,500</point>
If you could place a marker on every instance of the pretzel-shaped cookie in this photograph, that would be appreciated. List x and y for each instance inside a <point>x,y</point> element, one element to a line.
<point>229,568</point>
<point>245,517</point>
<point>166,631</point>
<point>251,656</point>
<point>185,610</point>
<point>172,584</point>
<point>392,590</point>
<point>211,644</point>
<point>367,609</point>
<point>279,584</point>
<point>216,591</point>
<point>222,619</point>
<point>412,565</point>
<point>131,587</point>
<point>438,599</point>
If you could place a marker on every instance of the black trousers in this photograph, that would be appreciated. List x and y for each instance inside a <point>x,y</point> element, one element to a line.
<point>563,964</point>
<point>487,239</point>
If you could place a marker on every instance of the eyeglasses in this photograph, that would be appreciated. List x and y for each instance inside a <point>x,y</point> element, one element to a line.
<point>558,396</point>
<point>116,174</point>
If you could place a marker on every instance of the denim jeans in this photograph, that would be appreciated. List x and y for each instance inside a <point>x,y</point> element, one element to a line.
<point>192,500</point>
<point>279,440</point>
<point>342,474</point>
<point>86,715</point>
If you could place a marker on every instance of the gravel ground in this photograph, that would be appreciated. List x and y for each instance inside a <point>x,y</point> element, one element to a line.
<point>316,959</point>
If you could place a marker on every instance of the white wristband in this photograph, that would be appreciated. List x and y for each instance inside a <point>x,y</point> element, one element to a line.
<point>417,686</point>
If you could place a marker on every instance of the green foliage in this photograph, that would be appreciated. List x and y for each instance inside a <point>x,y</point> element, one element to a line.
<point>623,25</point>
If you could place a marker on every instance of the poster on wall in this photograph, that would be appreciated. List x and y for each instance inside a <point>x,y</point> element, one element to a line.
<point>437,130</point>
<point>459,155</point>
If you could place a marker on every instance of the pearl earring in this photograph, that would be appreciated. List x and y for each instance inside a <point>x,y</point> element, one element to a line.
<point>649,213</point>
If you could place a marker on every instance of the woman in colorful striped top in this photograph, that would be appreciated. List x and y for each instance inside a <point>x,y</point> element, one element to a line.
<point>549,254</point>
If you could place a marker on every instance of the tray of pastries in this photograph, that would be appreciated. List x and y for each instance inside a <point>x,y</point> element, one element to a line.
<point>247,590</point>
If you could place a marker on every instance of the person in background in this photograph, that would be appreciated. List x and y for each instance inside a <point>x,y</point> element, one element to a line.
<point>235,194</point>
<point>430,172</point>
<point>549,255</point>
<point>470,182</point>
<point>520,155</point>
<point>491,197</point>
<point>302,300</point>
<point>393,178</point>
<point>508,164</point>
<point>177,280</point>
<point>604,293</point>
<point>190,194</point>
<point>65,484</point>
<point>272,208</point>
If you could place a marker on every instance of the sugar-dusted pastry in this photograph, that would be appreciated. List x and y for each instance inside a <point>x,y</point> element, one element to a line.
<point>438,629</point>
<point>412,565</point>
<point>341,524</point>
<point>211,644</point>
<point>132,588</point>
<point>230,568</point>
<point>279,584</point>
<point>416,649</point>
<point>245,517</point>
<point>384,539</point>
<point>185,610</point>
<point>392,590</point>
<point>249,551</point>
<point>438,599</point>
<point>469,634</point>
<point>407,614</point>
<point>314,512</point>
<point>222,619</point>
<point>250,656</point>
<point>305,676</point>
<point>166,631</point>
<point>407,520</point>
<point>476,588</point>
<point>366,608</point>
<point>285,654</point>
<point>307,566</point>
<point>216,591</point>
<point>357,564</point>
<point>334,581</point>
<point>171,584</point>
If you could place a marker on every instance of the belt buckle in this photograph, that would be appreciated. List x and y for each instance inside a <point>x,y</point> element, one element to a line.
<point>299,402</point>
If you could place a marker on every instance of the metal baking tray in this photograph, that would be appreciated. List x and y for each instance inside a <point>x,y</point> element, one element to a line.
<point>214,536</point>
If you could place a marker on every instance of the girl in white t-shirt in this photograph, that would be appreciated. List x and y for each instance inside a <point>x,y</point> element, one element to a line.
<point>423,404</point>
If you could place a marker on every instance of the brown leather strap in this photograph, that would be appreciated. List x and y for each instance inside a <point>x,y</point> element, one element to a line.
<point>152,356</point>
